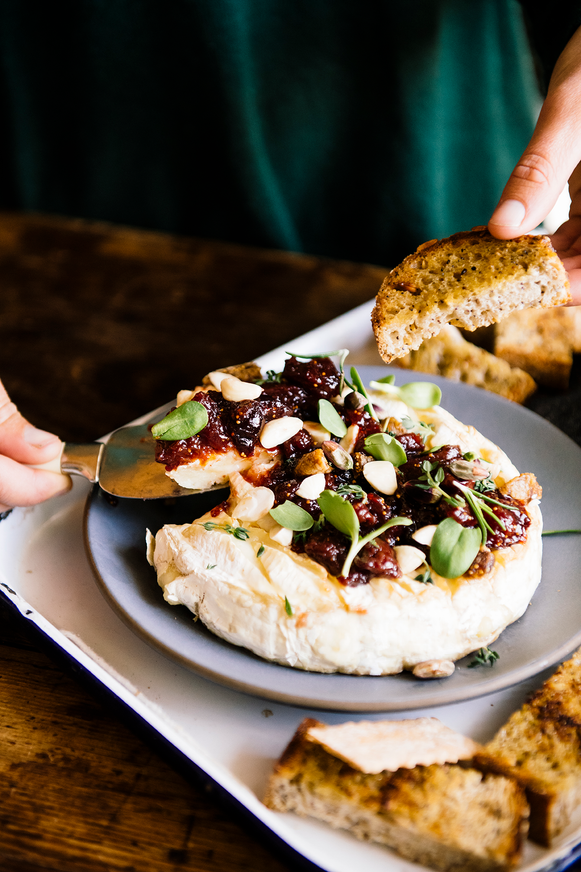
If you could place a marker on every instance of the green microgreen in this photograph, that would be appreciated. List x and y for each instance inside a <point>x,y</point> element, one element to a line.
<point>181,423</point>
<point>288,608</point>
<point>360,388</point>
<point>418,395</point>
<point>238,532</point>
<point>211,566</point>
<point>454,548</point>
<point>260,551</point>
<point>382,446</point>
<point>420,427</point>
<point>292,517</point>
<point>484,657</point>
<point>342,351</point>
<point>331,420</point>
<point>558,532</point>
<point>271,376</point>
<point>343,517</point>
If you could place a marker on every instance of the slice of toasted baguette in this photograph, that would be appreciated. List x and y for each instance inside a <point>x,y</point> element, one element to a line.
<point>470,280</point>
<point>540,342</point>
<point>444,816</point>
<point>452,356</point>
<point>540,746</point>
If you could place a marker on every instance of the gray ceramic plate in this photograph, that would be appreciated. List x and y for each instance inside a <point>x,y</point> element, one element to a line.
<point>548,631</point>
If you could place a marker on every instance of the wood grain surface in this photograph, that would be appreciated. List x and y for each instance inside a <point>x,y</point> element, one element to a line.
<point>98,325</point>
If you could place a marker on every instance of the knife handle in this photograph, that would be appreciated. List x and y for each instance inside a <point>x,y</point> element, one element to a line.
<point>82,459</point>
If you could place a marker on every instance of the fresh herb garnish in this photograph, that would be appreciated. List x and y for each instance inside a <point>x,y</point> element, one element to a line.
<point>485,485</point>
<point>425,577</point>
<point>454,548</point>
<point>382,446</point>
<point>331,420</point>
<point>181,423</point>
<point>260,551</point>
<point>288,608</point>
<point>420,427</point>
<point>343,517</point>
<point>484,657</point>
<point>292,517</point>
<point>360,388</point>
<point>211,566</point>
<point>558,532</point>
<point>354,490</point>
<point>237,532</point>
<point>271,376</point>
<point>343,351</point>
<point>418,395</point>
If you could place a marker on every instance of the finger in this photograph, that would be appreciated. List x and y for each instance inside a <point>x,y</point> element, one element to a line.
<point>551,156</point>
<point>24,486</point>
<point>19,439</point>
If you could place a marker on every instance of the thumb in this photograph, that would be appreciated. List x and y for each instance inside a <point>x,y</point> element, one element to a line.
<point>550,157</point>
<point>19,439</point>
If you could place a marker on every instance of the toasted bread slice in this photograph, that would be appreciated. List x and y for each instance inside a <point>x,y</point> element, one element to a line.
<point>470,280</point>
<point>452,356</point>
<point>444,816</point>
<point>540,746</point>
<point>540,342</point>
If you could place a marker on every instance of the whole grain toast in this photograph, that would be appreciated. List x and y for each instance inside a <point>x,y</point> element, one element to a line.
<point>540,747</point>
<point>444,815</point>
<point>470,279</point>
<point>540,342</point>
<point>452,356</point>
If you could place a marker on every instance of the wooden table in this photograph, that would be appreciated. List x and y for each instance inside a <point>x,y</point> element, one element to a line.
<point>97,326</point>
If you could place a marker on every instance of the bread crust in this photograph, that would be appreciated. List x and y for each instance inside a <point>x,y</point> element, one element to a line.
<point>540,747</point>
<point>445,816</point>
<point>452,356</point>
<point>470,279</point>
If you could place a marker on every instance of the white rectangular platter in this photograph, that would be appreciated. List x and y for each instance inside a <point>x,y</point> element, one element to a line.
<point>234,738</point>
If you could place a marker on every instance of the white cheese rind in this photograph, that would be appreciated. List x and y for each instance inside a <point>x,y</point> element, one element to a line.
<point>375,629</point>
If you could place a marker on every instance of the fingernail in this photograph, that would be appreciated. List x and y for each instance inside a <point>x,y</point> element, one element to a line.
<point>38,438</point>
<point>510,213</point>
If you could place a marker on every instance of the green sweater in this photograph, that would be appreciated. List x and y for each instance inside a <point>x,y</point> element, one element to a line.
<point>349,128</point>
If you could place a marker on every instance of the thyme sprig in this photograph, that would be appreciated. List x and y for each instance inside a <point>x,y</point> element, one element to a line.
<point>484,657</point>
<point>238,532</point>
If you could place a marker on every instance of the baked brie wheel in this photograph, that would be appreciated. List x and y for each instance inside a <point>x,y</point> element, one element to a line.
<point>406,543</point>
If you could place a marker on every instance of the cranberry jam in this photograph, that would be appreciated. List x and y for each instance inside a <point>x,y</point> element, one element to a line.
<point>427,492</point>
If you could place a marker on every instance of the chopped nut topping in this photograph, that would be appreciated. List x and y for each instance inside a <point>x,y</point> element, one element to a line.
<point>312,463</point>
<point>523,488</point>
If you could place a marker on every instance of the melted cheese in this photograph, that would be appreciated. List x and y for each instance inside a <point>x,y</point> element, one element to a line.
<point>375,629</point>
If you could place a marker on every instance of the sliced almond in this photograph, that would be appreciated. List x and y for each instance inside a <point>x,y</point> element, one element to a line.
<point>254,505</point>
<point>409,558</point>
<point>236,391</point>
<point>317,432</point>
<point>312,486</point>
<point>278,431</point>
<point>349,440</point>
<point>282,535</point>
<point>217,377</point>
<point>425,534</point>
<point>381,475</point>
<point>184,397</point>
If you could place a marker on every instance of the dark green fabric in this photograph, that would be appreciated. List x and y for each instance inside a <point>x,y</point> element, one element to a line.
<point>349,128</point>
